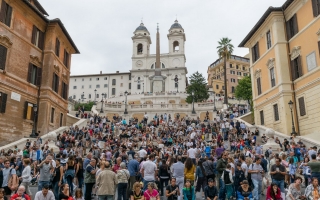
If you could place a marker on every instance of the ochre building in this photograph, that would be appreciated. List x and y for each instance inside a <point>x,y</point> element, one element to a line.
<point>237,68</point>
<point>35,62</point>
<point>284,54</point>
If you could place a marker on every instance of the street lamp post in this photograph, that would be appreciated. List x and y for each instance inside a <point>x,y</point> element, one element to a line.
<point>101,110</point>
<point>35,109</point>
<point>176,81</point>
<point>125,106</point>
<point>95,95</point>
<point>214,102</point>
<point>193,111</point>
<point>293,128</point>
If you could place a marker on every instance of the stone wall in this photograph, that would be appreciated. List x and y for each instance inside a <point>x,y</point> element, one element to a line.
<point>71,120</point>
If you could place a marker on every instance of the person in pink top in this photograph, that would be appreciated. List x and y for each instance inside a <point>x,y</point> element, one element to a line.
<point>151,193</point>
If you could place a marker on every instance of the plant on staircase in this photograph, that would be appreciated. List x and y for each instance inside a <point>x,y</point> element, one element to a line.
<point>243,90</point>
<point>198,84</point>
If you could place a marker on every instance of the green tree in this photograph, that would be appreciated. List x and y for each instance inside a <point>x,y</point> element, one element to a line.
<point>86,106</point>
<point>198,84</point>
<point>244,90</point>
<point>225,50</point>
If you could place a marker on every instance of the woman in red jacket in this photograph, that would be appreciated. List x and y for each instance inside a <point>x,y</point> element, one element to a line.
<point>273,192</point>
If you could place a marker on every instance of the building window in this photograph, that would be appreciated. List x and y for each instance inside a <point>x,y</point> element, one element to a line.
<point>244,68</point>
<point>52,115</point>
<point>129,77</point>
<point>57,51</point>
<point>296,68</point>
<point>97,79</point>
<point>55,83</point>
<point>66,59</point>
<point>74,97</point>
<point>292,27</point>
<point>302,107</point>
<point>64,92</point>
<point>3,102</point>
<point>232,89</point>
<point>105,85</point>
<point>121,77</point>
<point>89,86</point>
<point>138,86</point>
<point>113,81</point>
<point>121,84</point>
<point>261,117</point>
<point>97,96</point>
<point>316,7</point>
<point>37,37</point>
<point>230,65</point>
<point>75,80</point>
<point>237,66</point>
<point>259,85</point>
<point>175,46</point>
<point>139,49</point>
<point>233,80</point>
<point>83,79</point>
<point>272,77</point>
<point>255,52</point>
<point>129,86</point>
<point>34,75</point>
<point>245,74</point>
<point>90,79</point>
<point>28,113</point>
<point>217,87</point>
<point>82,87</point>
<point>5,13</point>
<point>74,87</point>
<point>3,56</point>
<point>89,96</point>
<point>105,78</point>
<point>239,73</point>
<point>268,40</point>
<point>61,119</point>
<point>97,86</point>
<point>223,87</point>
<point>276,112</point>
<point>113,92</point>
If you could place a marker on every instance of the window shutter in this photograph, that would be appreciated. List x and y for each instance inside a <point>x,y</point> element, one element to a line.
<point>66,88</point>
<point>39,75</point>
<point>315,8</point>
<point>259,85</point>
<point>293,73</point>
<point>57,84</point>
<point>295,24</point>
<point>3,57</point>
<point>288,29</point>
<point>29,72</point>
<point>32,114</point>
<point>3,103</point>
<point>253,54</point>
<point>257,49</point>
<point>302,107</point>
<point>25,110</point>
<point>34,33</point>
<point>8,16</point>
<point>41,40</point>
<point>3,11</point>
<point>57,47</point>
<point>299,66</point>
<point>318,47</point>
<point>53,83</point>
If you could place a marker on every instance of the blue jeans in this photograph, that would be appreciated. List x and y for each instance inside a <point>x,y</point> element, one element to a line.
<point>55,188</point>
<point>80,182</point>
<point>222,192</point>
<point>70,183</point>
<point>280,184</point>
<point>105,197</point>
<point>122,191</point>
<point>257,188</point>
<point>41,184</point>
<point>145,184</point>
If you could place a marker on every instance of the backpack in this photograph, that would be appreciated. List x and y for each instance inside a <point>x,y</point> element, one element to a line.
<point>226,177</point>
<point>12,186</point>
<point>266,154</point>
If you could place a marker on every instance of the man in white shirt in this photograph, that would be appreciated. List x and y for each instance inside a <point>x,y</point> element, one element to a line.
<point>45,193</point>
<point>142,153</point>
<point>148,171</point>
<point>192,135</point>
<point>192,153</point>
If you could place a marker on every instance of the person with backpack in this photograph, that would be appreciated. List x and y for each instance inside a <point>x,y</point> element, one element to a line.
<point>200,176</point>
<point>209,168</point>
<point>257,173</point>
<point>9,178</point>
<point>228,181</point>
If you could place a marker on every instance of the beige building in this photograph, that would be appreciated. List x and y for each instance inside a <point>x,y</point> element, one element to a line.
<point>284,52</point>
<point>237,68</point>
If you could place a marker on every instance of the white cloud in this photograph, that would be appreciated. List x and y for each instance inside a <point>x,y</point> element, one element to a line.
<point>102,29</point>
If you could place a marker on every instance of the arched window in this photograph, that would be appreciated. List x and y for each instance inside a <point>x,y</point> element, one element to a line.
<point>175,46</point>
<point>152,66</point>
<point>163,66</point>
<point>232,89</point>
<point>139,85</point>
<point>139,49</point>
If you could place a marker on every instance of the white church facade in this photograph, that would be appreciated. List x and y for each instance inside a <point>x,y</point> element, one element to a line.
<point>145,76</point>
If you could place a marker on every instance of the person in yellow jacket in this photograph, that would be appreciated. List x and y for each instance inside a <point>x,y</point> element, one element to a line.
<point>189,170</point>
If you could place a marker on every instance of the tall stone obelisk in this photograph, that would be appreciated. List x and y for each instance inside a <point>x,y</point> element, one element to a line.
<point>158,79</point>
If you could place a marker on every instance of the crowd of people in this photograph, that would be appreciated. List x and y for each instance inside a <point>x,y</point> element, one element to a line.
<point>179,158</point>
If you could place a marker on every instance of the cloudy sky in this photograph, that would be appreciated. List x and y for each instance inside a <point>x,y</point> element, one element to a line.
<point>102,29</point>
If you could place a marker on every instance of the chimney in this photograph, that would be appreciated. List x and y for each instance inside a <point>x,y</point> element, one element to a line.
<point>100,72</point>
<point>117,72</point>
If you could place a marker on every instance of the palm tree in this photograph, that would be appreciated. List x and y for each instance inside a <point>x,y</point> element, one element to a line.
<point>225,50</point>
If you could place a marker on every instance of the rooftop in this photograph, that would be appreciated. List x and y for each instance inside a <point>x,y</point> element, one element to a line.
<point>233,57</point>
